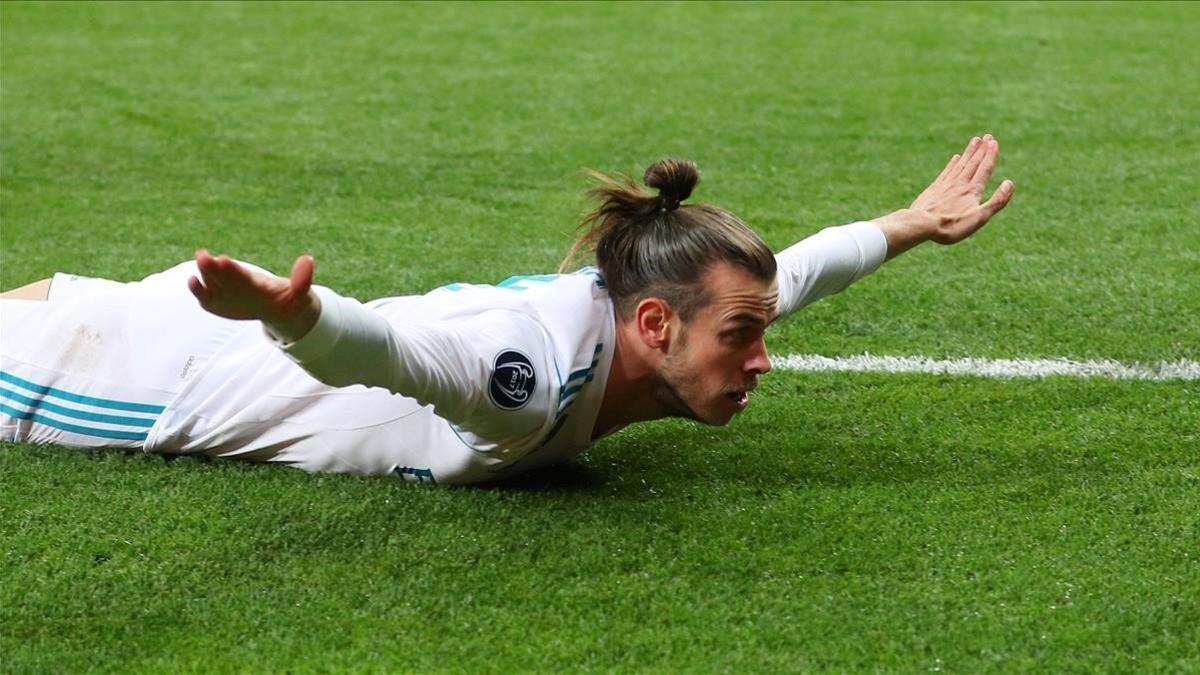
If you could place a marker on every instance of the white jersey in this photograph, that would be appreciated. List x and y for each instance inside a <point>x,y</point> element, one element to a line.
<point>460,385</point>
<point>464,384</point>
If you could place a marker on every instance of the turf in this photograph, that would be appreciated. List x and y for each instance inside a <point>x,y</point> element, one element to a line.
<point>845,522</point>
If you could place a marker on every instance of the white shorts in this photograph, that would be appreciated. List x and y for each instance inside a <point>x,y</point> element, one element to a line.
<point>99,361</point>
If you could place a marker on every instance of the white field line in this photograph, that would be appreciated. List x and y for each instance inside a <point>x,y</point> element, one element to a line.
<point>998,368</point>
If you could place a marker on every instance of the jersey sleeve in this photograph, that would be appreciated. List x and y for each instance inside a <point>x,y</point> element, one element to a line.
<point>489,374</point>
<point>827,263</point>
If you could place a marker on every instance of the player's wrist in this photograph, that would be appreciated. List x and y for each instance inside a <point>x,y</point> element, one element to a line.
<point>293,328</point>
<point>907,228</point>
<point>923,224</point>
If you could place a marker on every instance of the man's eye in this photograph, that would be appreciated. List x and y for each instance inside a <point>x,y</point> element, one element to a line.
<point>738,336</point>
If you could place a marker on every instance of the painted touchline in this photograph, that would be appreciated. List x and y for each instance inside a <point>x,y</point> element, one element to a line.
<point>997,368</point>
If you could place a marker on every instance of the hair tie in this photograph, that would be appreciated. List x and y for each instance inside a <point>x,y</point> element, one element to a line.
<point>667,204</point>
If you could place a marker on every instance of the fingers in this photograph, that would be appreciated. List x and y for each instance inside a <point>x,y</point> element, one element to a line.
<point>232,290</point>
<point>215,269</point>
<point>958,160</point>
<point>949,169</point>
<point>955,163</point>
<point>207,287</point>
<point>222,271</point>
<point>302,275</point>
<point>198,289</point>
<point>965,164</point>
<point>972,157</point>
<point>991,152</point>
<point>204,261</point>
<point>999,198</point>
<point>209,271</point>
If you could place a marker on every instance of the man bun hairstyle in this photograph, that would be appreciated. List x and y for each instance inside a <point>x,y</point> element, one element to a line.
<point>654,245</point>
<point>674,179</point>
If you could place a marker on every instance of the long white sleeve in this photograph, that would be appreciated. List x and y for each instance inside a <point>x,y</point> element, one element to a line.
<point>487,373</point>
<point>827,262</point>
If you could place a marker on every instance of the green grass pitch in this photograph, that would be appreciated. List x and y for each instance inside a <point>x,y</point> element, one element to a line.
<point>844,522</point>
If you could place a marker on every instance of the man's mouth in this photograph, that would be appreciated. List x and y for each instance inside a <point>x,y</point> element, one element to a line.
<point>739,398</point>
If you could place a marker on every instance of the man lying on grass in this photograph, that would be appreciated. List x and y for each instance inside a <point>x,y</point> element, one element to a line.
<point>467,383</point>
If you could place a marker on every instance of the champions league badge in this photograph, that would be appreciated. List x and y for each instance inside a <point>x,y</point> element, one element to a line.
<point>512,380</point>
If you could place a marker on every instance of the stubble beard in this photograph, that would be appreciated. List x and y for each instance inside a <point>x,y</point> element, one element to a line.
<point>667,394</point>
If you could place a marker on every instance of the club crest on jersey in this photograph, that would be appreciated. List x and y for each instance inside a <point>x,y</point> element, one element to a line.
<point>512,380</point>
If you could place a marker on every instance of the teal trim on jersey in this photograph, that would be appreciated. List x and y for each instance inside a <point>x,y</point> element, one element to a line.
<point>568,393</point>
<point>569,390</point>
<point>73,428</point>
<point>581,372</point>
<point>514,283</point>
<point>583,375</point>
<point>422,475</point>
<point>39,404</point>
<point>79,398</point>
<point>599,278</point>
<point>521,281</point>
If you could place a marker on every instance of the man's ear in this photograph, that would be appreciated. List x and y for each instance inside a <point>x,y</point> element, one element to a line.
<point>653,319</point>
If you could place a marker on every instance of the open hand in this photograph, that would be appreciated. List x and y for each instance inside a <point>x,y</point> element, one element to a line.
<point>953,200</point>
<point>229,290</point>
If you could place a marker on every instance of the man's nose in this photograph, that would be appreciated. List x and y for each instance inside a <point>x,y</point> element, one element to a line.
<point>759,362</point>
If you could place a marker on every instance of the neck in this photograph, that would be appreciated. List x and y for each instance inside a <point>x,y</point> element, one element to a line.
<point>630,391</point>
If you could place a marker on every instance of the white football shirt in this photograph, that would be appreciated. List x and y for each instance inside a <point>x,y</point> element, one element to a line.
<point>461,385</point>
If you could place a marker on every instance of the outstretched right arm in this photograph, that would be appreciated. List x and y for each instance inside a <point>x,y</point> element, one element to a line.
<point>454,366</point>
<point>287,307</point>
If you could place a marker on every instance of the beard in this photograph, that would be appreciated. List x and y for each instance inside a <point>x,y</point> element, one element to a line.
<point>667,382</point>
<point>667,395</point>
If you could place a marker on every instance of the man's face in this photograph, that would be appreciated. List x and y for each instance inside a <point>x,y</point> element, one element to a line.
<point>716,357</point>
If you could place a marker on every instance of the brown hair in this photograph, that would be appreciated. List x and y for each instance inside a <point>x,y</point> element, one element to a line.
<point>650,245</point>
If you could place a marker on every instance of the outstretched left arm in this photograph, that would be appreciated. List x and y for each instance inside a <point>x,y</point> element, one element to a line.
<point>948,211</point>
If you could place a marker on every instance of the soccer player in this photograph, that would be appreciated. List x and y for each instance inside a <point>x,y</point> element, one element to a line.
<point>467,383</point>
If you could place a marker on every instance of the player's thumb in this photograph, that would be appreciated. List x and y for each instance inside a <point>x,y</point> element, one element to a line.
<point>999,198</point>
<point>302,274</point>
